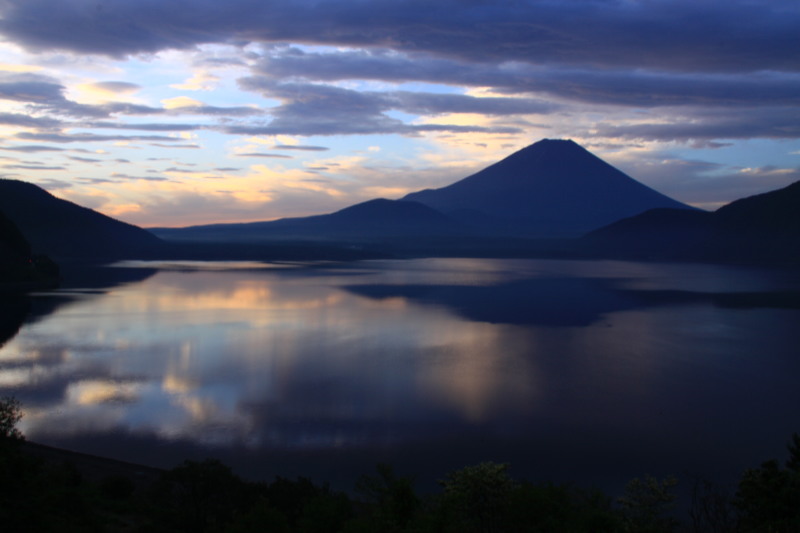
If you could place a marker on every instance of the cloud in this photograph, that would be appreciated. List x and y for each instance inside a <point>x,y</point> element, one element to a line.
<point>128,177</point>
<point>185,146</point>
<point>694,124</point>
<point>90,137</point>
<point>300,147</point>
<point>143,126</point>
<point>30,87</point>
<point>233,111</point>
<point>181,170</point>
<point>28,121</point>
<point>200,81</point>
<point>435,103</point>
<point>631,86</point>
<point>677,35</point>
<point>32,148</point>
<point>698,182</point>
<point>260,154</point>
<point>461,81</point>
<point>317,109</point>
<point>117,87</point>
<point>45,95</point>
<point>106,89</point>
<point>33,167</point>
<point>181,102</point>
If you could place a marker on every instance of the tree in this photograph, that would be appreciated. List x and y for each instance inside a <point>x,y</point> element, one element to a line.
<point>10,414</point>
<point>647,505</point>
<point>393,498</point>
<point>200,496</point>
<point>768,497</point>
<point>480,495</point>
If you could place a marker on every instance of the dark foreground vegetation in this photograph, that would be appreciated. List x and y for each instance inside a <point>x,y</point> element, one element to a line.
<point>40,494</point>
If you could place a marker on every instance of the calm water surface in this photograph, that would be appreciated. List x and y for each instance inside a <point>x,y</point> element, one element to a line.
<point>587,371</point>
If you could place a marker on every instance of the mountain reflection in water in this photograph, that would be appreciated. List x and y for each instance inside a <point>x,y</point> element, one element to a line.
<point>593,372</point>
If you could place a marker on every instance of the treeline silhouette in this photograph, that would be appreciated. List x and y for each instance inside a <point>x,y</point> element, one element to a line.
<point>206,496</point>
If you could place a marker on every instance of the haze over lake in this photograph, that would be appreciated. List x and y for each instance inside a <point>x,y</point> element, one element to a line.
<point>591,372</point>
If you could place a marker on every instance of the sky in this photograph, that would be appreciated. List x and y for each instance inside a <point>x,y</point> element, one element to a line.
<point>184,112</point>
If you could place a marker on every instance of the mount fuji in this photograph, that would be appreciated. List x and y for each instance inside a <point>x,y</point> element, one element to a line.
<point>553,188</point>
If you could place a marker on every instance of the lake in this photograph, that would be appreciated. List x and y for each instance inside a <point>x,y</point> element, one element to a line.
<point>589,372</point>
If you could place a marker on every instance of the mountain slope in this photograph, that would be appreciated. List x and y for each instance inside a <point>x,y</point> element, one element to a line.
<point>13,245</point>
<point>19,269</point>
<point>759,229</point>
<point>551,188</point>
<point>374,219</point>
<point>62,229</point>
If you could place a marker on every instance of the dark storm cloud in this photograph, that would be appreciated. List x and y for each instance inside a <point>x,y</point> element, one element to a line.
<point>679,35</point>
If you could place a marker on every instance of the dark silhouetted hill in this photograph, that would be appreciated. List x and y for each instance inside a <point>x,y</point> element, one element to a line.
<point>13,244</point>
<point>759,229</point>
<point>20,270</point>
<point>553,188</point>
<point>62,229</point>
<point>657,233</point>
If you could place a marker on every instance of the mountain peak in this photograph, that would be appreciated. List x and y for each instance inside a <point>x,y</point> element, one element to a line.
<point>551,188</point>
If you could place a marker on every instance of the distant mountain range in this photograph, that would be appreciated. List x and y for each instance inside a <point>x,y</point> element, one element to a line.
<point>374,220</point>
<point>552,198</point>
<point>550,189</point>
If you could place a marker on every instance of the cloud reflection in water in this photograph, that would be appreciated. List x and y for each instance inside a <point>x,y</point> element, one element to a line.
<point>502,357</point>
